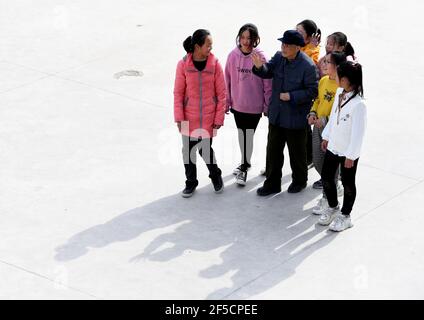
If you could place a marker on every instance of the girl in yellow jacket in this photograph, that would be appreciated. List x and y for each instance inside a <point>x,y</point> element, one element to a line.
<point>312,36</point>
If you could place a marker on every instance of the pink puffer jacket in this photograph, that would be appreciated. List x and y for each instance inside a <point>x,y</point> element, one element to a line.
<point>199,97</point>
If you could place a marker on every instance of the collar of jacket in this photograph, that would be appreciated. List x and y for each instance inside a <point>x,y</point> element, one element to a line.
<point>296,60</point>
<point>210,64</point>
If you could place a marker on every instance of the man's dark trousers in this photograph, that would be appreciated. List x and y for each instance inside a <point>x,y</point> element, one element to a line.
<point>296,140</point>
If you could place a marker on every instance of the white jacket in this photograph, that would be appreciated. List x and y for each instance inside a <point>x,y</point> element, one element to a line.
<point>345,131</point>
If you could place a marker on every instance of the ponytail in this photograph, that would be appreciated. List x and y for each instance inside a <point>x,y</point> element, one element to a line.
<point>349,51</point>
<point>188,45</point>
<point>199,38</point>
<point>340,39</point>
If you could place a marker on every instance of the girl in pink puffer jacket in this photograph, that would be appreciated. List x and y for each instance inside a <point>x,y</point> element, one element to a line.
<point>199,107</point>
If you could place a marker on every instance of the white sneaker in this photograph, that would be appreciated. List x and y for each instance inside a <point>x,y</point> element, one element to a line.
<point>238,170</point>
<point>340,190</point>
<point>321,206</point>
<point>241,178</point>
<point>341,223</point>
<point>328,216</point>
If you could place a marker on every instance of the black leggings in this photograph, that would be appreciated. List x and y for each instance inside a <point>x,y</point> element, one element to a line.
<point>246,125</point>
<point>331,163</point>
<point>204,146</point>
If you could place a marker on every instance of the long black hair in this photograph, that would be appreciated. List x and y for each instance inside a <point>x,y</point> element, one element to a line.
<point>198,37</point>
<point>341,40</point>
<point>253,32</point>
<point>310,27</point>
<point>353,72</point>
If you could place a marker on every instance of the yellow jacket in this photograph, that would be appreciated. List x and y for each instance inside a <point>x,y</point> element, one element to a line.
<point>324,102</point>
<point>312,52</point>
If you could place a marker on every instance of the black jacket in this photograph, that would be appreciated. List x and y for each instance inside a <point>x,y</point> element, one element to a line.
<point>299,78</point>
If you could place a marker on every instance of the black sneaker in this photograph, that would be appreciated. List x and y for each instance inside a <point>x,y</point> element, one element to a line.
<point>296,188</point>
<point>318,185</point>
<point>189,189</point>
<point>265,192</point>
<point>218,184</point>
<point>241,178</point>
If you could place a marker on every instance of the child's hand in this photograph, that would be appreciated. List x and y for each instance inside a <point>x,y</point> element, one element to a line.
<point>318,123</point>
<point>324,145</point>
<point>257,60</point>
<point>315,39</point>
<point>349,164</point>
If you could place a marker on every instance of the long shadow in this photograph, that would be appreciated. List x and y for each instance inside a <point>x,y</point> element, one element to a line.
<point>257,235</point>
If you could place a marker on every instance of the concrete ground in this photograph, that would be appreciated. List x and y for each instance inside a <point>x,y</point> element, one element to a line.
<point>90,166</point>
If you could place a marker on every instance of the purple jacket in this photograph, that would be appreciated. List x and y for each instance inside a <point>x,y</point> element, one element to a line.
<point>246,92</point>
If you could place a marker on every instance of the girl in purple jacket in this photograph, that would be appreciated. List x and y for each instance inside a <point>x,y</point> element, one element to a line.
<point>247,95</point>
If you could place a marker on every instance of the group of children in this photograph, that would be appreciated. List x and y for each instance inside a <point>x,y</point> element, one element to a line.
<point>204,92</point>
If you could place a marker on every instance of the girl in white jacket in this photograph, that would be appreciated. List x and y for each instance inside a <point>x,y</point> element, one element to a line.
<point>342,142</point>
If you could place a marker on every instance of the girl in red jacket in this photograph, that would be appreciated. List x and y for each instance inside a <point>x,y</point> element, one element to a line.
<point>199,107</point>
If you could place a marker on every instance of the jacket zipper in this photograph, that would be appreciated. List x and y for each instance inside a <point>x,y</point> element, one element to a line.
<point>201,99</point>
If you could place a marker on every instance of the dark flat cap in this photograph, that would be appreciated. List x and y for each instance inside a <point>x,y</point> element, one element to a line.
<point>293,37</point>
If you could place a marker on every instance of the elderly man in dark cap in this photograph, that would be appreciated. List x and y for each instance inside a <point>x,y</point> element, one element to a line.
<point>295,86</point>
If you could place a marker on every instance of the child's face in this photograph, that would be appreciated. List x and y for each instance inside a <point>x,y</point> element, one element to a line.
<point>343,82</point>
<point>302,31</point>
<point>331,68</point>
<point>245,41</point>
<point>329,47</point>
<point>206,49</point>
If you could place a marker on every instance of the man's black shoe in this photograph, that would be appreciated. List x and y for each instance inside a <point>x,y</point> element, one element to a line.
<point>296,188</point>
<point>265,192</point>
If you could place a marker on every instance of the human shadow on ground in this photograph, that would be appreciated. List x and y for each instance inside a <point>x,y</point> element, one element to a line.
<point>257,235</point>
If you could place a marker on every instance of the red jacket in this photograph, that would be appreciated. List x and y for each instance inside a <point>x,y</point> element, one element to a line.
<point>199,97</point>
